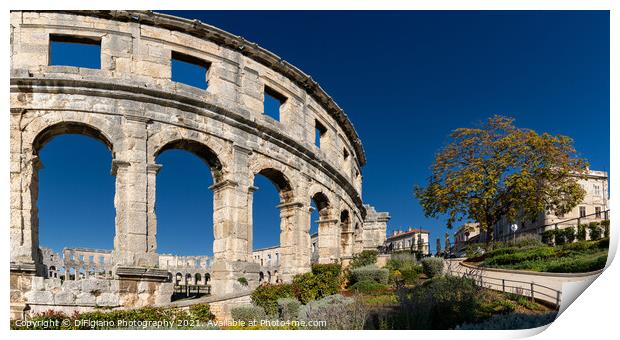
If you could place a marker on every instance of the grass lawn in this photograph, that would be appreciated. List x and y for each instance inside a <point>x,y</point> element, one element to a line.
<point>578,257</point>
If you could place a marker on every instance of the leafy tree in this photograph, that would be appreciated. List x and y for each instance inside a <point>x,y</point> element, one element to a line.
<point>498,170</point>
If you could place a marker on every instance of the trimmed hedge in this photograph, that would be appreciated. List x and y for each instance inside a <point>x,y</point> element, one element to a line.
<point>369,287</point>
<point>432,266</point>
<point>369,273</point>
<point>578,265</point>
<point>533,254</point>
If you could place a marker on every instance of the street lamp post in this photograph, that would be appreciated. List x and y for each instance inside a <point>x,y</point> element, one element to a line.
<point>514,227</point>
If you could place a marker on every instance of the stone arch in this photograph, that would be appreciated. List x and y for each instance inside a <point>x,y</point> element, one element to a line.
<point>214,152</point>
<point>51,124</point>
<point>329,228</point>
<point>199,149</point>
<point>36,135</point>
<point>346,234</point>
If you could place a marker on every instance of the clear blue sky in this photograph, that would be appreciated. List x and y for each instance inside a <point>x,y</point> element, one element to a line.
<point>406,79</point>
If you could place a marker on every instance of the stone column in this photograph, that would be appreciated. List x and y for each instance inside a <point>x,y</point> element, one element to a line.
<point>133,246</point>
<point>329,240</point>
<point>24,227</point>
<point>294,240</point>
<point>232,245</point>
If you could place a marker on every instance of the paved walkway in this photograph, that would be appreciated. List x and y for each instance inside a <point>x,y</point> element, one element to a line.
<point>550,287</point>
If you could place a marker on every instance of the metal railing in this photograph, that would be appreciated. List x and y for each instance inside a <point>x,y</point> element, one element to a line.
<point>189,290</point>
<point>532,290</point>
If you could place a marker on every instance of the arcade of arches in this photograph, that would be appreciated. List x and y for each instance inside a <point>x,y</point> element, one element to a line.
<point>132,105</point>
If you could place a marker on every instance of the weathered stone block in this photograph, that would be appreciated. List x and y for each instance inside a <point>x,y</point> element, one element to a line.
<point>64,298</point>
<point>40,297</point>
<point>108,300</point>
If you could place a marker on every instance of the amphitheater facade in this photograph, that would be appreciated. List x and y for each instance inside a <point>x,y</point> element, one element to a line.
<point>131,104</point>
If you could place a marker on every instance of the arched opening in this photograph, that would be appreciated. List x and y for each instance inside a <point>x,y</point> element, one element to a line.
<point>184,202</point>
<point>271,191</point>
<point>72,192</point>
<point>320,213</point>
<point>346,234</point>
<point>198,278</point>
<point>178,278</point>
<point>188,279</point>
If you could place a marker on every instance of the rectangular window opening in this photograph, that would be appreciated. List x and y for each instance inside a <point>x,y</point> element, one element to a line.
<point>190,70</point>
<point>67,50</point>
<point>272,103</point>
<point>345,154</point>
<point>582,211</point>
<point>319,133</point>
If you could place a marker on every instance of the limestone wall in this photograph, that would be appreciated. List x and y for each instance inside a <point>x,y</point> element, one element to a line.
<point>132,106</point>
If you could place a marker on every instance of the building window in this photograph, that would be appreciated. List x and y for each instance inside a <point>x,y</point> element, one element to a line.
<point>582,211</point>
<point>189,70</point>
<point>597,211</point>
<point>345,154</point>
<point>66,50</point>
<point>272,103</point>
<point>319,133</point>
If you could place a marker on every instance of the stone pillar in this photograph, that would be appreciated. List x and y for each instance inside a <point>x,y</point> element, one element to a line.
<point>232,245</point>
<point>133,246</point>
<point>24,227</point>
<point>294,240</point>
<point>329,240</point>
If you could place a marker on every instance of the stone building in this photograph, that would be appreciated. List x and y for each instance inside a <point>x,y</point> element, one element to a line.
<point>408,239</point>
<point>129,101</point>
<point>593,208</point>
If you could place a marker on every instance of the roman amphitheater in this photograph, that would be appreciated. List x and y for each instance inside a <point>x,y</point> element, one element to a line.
<point>132,105</point>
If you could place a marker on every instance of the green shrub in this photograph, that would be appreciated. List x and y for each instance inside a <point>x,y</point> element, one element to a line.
<point>403,268</point>
<point>578,265</point>
<point>596,232</point>
<point>432,266</point>
<point>365,258</point>
<point>288,308</point>
<point>439,303</point>
<point>519,257</point>
<point>581,246</point>
<point>603,243</point>
<point>566,235</point>
<point>369,287</point>
<point>512,321</point>
<point>548,237</point>
<point>605,225</point>
<point>401,260</point>
<point>527,241</point>
<point>338,311</point>
<point>248,313</point>
<point>201,312</point>
<point>267,295</point>
<point>369,273</point>
<point>581,232</point>
<point>310,286</point>
<point>333,269</point>
<point>243,281</point>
